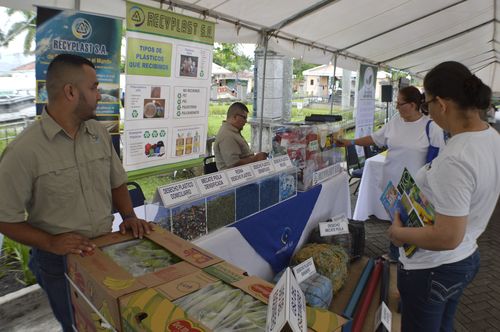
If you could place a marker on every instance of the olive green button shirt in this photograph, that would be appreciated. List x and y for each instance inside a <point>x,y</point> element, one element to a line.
<point>63,184</point>
<point>229,147</point>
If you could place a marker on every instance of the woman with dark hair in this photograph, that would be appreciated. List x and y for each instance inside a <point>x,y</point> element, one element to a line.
<point>406,139</point>
<point>463,183</point>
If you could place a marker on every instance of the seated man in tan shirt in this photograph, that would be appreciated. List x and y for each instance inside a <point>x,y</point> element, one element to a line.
<point>230,147</point>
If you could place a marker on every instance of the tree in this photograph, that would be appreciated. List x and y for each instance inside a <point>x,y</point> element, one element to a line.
<point>27,25</point>
<point>230,57</point>
<point>298,67</point>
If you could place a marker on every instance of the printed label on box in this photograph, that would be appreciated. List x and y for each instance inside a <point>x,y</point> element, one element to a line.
<point>212,183</point>
<point>282,163</point>
<point>179,192</point>
<point>304,270</point>
<point>239,175</point>
<point>262,168</point>
<point>324,174</point>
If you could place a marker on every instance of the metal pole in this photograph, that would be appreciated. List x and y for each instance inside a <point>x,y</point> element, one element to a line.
<point>333,88</point>
<point>261,126</point>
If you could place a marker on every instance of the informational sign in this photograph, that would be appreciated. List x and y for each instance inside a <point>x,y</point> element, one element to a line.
<point>304,270</point>
<point>262,168</point>
<point>282,163</point>
<point>333,228</point>
<point>175,193</point>
<point>168,66</point>
<point>366,101</point>
<point>73,32</point>
<point>239,175</point>
<point>286,310</point>
<point>383,316</point>
<point>325,174</point>
<point>212,183</point>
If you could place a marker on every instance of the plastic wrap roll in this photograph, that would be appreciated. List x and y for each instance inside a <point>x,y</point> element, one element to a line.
<point>356,295</point>
<point>360,316</point>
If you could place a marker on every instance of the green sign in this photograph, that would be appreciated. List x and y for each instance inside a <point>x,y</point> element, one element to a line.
<point>160,22</point>
<point>146,57</point>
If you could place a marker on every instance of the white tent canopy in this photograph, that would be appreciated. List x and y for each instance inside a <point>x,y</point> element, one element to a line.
<point>412,35</point>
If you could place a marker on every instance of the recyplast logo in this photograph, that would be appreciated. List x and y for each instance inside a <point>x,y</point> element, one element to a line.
<point>81,28</point>
<point>137,16</point>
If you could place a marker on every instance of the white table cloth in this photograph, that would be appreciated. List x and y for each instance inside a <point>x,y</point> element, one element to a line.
<point>370,190</point>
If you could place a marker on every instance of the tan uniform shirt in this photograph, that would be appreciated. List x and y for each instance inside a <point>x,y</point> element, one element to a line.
<point>229,146</point>
<point>63,184</point>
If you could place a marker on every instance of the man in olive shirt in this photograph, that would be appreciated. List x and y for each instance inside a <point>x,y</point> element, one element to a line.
<point>60,178</point>
<point>230,147</point>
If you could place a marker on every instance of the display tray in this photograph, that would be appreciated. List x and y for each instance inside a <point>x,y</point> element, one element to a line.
<point>341,299</point>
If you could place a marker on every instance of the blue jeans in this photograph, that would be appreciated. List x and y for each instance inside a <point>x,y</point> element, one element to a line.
<point>429,297</point>
<point>49,271</point>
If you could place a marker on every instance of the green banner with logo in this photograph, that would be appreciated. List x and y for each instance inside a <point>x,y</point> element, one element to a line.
<point>160,22</point>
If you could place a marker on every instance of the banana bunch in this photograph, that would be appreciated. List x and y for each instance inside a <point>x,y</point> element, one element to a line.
<point>117,284</point>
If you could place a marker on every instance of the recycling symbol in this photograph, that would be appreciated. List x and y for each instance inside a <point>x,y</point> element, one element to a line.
<point>162,133</point>
<point>155,133</point>
<point>178,113</point>
<point>179,107</point>
<point>146,134</point>
<point>179,95</point>
<point>135,113</point>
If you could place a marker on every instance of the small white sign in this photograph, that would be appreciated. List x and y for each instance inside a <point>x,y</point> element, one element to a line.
<point>340,217</point>
<point>304,270</point>
<point>384,316</point>
<point>175,193</point>
<point>324,174</point>
<point>239,175</point>
<point>262,168</point>
<point>212,183</point>
<point>287,306</point>
<point>333,228</point>
<point>282,163</point>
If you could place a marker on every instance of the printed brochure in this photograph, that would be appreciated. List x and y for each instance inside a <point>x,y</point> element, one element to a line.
<point>414,209</point>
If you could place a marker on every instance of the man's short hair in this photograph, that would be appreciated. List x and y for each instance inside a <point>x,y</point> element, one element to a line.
<point>63,69</point>
<point>235,109</point>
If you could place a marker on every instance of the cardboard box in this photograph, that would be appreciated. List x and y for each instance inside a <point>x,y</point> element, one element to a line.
<point>86,318</point>
<point>149,309</point>
<point>104,282</point>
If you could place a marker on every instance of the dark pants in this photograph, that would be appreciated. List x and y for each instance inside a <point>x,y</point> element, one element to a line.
<point>49,271</point>
<point>429,297</point>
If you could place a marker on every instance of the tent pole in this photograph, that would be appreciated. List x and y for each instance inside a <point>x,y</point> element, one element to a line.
<point>261,125</point>
<point>333,88</point>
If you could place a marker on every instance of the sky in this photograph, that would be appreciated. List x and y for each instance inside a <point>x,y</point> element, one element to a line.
<point>12,56</point>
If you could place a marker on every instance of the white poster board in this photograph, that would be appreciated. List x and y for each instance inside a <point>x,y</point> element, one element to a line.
<point>365,101</point>
<point>168,67</point>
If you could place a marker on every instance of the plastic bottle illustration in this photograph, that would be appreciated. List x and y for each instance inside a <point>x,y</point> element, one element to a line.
<point>179,145</point>
<point>189,144</point>
<point>196,143</point>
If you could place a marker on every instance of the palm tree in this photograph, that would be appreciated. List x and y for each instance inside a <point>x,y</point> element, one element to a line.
<point>28,25</point>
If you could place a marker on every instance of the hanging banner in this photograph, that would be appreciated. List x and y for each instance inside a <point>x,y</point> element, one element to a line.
<point>366,102</point>
<point>168,66</point>
<point>72,32</point>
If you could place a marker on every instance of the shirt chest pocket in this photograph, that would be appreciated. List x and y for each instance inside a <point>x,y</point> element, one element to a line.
<point>59,181</point>
<point>99,166</point>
